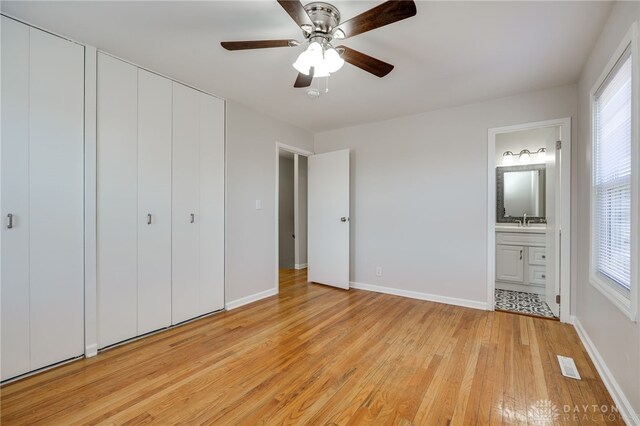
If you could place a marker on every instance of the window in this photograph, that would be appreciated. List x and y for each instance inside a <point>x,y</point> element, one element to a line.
<point>613,199</point>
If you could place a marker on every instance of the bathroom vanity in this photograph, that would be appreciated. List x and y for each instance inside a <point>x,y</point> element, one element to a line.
<point>521,258</point>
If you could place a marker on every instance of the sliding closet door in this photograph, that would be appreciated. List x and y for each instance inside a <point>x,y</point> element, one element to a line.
<point>56,161</point>
<point>15,199</point>
<point>211,204</point>
<point>117,189</point>
<point>154,202</point>
<point>186,204</point>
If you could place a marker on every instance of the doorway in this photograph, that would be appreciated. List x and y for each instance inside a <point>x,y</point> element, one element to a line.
<point>529,219</point>
<point>291,215</point>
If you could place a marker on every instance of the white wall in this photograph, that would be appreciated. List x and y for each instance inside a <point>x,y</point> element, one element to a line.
<point>286,213</point>
<point>615,337</point>
<point>251,168</point>
<point>419,192</point>
<point>301,206</point>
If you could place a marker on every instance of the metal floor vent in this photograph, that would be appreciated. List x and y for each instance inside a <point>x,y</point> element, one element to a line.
<point>568,367</point>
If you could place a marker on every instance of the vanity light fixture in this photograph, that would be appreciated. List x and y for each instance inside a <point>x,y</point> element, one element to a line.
<point>507,157</point>
<point>525,156</point>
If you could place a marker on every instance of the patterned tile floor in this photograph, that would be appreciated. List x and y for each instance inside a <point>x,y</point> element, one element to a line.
<point>525,303</point>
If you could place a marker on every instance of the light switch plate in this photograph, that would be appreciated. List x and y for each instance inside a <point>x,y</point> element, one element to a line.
<point>258,204</point>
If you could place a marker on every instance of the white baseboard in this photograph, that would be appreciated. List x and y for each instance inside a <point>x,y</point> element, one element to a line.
<point>421,296</point>
<point>91,350</point>
<point>619,398</point>
<point>250,299</point>
<point>300,266</point>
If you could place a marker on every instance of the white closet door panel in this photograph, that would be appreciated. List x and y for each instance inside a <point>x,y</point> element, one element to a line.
<point>15,199</point>
<point>117,200</point>
<point>154,198</point>
<point>211,204</point>
<point>56,157</point>
<point>185,202</point>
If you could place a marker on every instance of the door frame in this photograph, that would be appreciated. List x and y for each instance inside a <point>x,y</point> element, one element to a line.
<point>293,150</point>
<point>565,222</point>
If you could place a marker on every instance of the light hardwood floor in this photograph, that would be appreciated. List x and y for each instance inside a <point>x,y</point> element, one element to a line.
<point>318,355</point>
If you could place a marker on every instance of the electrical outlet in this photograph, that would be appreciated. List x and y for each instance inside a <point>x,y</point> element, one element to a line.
<point>378,271</point>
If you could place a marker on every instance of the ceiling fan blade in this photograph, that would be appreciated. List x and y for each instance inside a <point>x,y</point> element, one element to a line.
<point>384,14</point>
<point>295,9</point>
<point>304,80</point>
<point>258,44</point>
<point>365,62</point>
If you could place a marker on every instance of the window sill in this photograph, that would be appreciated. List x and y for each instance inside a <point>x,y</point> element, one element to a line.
<point>619,300</point>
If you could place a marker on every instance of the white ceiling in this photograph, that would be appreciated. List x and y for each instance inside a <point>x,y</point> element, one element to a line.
<point>451,53</point>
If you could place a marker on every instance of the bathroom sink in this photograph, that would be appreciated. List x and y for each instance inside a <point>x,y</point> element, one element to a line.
<point>529,229</point>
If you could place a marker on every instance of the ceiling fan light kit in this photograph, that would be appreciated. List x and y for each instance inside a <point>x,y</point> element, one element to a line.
<point>320,24</point>
<point>325,60</point>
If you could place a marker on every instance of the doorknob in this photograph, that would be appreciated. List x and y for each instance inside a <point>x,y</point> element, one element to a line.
<point>149,219</point>
<point>10,224</point>
<point>193,218</point>
<point>344,219</point>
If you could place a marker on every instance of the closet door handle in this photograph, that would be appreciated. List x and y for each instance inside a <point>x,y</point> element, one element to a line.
<point>10,223</point>
<point>520,254</point>
<point>148,218</point>
<point>193,218</point>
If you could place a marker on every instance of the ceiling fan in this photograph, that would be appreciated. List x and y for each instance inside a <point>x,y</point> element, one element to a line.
<point>320,24</point>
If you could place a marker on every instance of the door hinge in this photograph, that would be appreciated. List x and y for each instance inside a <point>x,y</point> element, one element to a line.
<point>558,144</point>
<point>558,299</point>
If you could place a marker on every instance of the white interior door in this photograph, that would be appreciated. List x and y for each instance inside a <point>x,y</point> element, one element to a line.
<point>185,203</point>
<point>328,218</point>
<point>553,213</point>
<point>56,198</point>
<point>117,195</point>
<point>15,199</point>
<point>154,202</point>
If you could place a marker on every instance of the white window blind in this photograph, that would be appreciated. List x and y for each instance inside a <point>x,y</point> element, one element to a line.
<point>612,176</point>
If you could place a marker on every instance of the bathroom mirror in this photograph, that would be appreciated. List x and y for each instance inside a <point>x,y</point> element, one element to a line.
<point>520,190</point>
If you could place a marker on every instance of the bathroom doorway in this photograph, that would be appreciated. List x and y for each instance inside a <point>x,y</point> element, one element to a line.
<point>529,219</point>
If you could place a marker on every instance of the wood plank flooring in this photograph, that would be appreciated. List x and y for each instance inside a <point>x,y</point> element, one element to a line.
<point>318,355</point>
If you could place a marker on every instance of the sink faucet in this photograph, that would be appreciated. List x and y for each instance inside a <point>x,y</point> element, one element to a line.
<point>524,219</point>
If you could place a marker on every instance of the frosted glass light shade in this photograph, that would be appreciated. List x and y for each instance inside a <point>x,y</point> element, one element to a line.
<point>507,157</point>
<point>315,53</point>
<point>525,158</point>
<point>333,60</point>
<point>323,63</point>
<point>303,63</point>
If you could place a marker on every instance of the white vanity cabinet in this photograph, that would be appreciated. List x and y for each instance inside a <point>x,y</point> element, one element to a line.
<point>510,266</point>
<point>521,260</point>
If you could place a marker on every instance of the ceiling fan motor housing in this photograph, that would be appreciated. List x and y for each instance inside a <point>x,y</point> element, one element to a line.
<point>325,17</point>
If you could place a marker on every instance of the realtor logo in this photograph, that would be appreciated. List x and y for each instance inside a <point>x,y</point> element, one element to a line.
<point>543,412</point>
